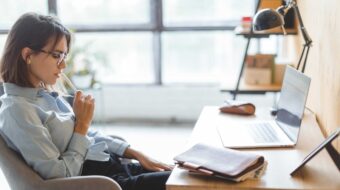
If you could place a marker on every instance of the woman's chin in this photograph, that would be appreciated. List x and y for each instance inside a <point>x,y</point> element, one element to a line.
<point>51,82</point>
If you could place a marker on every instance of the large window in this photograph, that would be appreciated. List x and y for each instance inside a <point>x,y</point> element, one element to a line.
<point>88,12</point>
<point>2,42</point>
<point>10,10</point>
<point>121,57</point>
<point>195,57</point>
<point>150,41</point>
<point>205,12</point>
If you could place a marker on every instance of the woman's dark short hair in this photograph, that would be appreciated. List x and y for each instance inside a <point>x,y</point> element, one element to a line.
<point>33,31</point>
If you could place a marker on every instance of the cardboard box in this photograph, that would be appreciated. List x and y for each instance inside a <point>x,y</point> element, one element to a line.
<point>279,71</point>
<point>253,75</point>
<point>260,61</point>
<point>259,68</point>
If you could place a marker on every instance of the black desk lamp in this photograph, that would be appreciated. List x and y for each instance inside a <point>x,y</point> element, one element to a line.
<point>269,18</point>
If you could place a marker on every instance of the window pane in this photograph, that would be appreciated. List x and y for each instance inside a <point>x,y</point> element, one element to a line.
<point>265,45</point>
<point>116,57</point>
<point>201,57</point>
<point>2,43</point>
<point>11,10</point>
<point>104,11</point>
<point>206,12</point>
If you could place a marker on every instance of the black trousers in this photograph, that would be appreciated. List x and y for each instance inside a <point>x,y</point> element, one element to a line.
<point>131,176</point>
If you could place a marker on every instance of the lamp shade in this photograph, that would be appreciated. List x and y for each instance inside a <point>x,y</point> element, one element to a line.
<point>266,19</point>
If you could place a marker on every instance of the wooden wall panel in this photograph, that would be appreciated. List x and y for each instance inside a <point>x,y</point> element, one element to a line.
<point>322,20</point>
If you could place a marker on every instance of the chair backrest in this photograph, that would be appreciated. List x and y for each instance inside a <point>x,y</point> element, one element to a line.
<point>18,174</point>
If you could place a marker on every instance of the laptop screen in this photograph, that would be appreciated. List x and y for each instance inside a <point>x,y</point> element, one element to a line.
<point>292,102</point>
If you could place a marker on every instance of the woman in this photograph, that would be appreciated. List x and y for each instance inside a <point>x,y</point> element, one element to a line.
<point>53,137</point>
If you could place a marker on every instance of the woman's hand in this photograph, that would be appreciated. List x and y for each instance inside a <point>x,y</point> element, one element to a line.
<point>83,108</point>
<point>147,162</point>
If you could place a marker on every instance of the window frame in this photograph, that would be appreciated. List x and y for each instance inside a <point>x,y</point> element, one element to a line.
<point>155,26</point>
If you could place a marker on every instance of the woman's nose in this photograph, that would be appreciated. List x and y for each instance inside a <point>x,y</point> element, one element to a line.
<point>62,64</point>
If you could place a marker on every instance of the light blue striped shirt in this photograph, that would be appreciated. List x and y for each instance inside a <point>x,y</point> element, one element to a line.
<point>40,126</point>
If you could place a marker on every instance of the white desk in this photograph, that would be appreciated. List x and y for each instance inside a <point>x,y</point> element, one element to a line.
<point>319,173</point>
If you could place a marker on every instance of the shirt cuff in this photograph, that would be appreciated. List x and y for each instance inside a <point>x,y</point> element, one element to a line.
<point>79,143</point>
<point>120,149</point>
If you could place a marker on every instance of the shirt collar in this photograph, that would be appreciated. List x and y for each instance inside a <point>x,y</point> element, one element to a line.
<point>15,90</point>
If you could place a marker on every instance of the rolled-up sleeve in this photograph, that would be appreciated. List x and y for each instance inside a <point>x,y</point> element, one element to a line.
<point>115,145</point>
<point>28,135</point>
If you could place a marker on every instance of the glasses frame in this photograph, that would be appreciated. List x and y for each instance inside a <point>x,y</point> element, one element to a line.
<point>61,56</point>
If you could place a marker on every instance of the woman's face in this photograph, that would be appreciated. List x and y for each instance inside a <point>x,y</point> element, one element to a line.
<point>47,65</point>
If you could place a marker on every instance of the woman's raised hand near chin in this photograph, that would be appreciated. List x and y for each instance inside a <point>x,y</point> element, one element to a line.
<point>83,108</point>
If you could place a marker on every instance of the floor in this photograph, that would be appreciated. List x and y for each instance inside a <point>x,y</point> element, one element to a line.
<point>161,141</point>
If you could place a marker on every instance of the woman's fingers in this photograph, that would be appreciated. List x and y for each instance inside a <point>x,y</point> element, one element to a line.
<point>163,166</point>
<point>89,105</point>
<point>153,165</point>
<point>155,168</point>
<point>83,106</point>
<point>77,99</point>
<point>166,167</point>
<point>147,162</point>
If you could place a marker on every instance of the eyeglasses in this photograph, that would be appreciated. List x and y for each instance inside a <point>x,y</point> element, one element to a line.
<point>59,56</point>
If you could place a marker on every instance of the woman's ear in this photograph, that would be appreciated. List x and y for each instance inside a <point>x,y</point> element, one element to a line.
<point>25,54</point>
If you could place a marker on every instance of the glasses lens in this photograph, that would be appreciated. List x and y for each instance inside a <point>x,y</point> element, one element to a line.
<point>61,58</point>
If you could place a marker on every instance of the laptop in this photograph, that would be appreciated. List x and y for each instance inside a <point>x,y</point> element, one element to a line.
<point>283,131</point>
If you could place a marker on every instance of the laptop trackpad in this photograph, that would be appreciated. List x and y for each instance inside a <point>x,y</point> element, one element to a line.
<point>253,134</point>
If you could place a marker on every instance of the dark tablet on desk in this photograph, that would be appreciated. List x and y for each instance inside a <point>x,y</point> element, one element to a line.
<point>324,144</point>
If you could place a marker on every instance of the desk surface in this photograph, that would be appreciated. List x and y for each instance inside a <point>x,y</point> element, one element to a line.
<point>319,173</point>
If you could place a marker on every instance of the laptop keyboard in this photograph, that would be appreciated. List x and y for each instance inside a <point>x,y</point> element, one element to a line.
<point>263,133</point>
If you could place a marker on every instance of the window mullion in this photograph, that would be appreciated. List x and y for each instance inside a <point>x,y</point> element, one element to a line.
<point>52,7</point>
<point>156,13</point>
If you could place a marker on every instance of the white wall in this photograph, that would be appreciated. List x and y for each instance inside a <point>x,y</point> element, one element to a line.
<point>179,103</point>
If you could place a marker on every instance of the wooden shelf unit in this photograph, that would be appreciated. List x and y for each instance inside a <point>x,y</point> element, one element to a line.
<point>241,87</point>
<point>251,89</point>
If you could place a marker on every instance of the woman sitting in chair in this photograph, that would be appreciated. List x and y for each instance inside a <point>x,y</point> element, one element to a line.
<point>53,137</point>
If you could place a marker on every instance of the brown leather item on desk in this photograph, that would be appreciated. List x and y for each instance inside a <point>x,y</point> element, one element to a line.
<point>224,163</point>
<point>238,107</point>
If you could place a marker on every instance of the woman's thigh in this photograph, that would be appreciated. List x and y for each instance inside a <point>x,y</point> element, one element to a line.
<point>130,176</point>
<point>144,181</point>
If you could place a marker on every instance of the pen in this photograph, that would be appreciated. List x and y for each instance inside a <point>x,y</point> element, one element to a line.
<point>69,83</point>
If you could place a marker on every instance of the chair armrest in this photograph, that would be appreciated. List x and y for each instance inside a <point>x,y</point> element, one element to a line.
<point>92,182</point>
